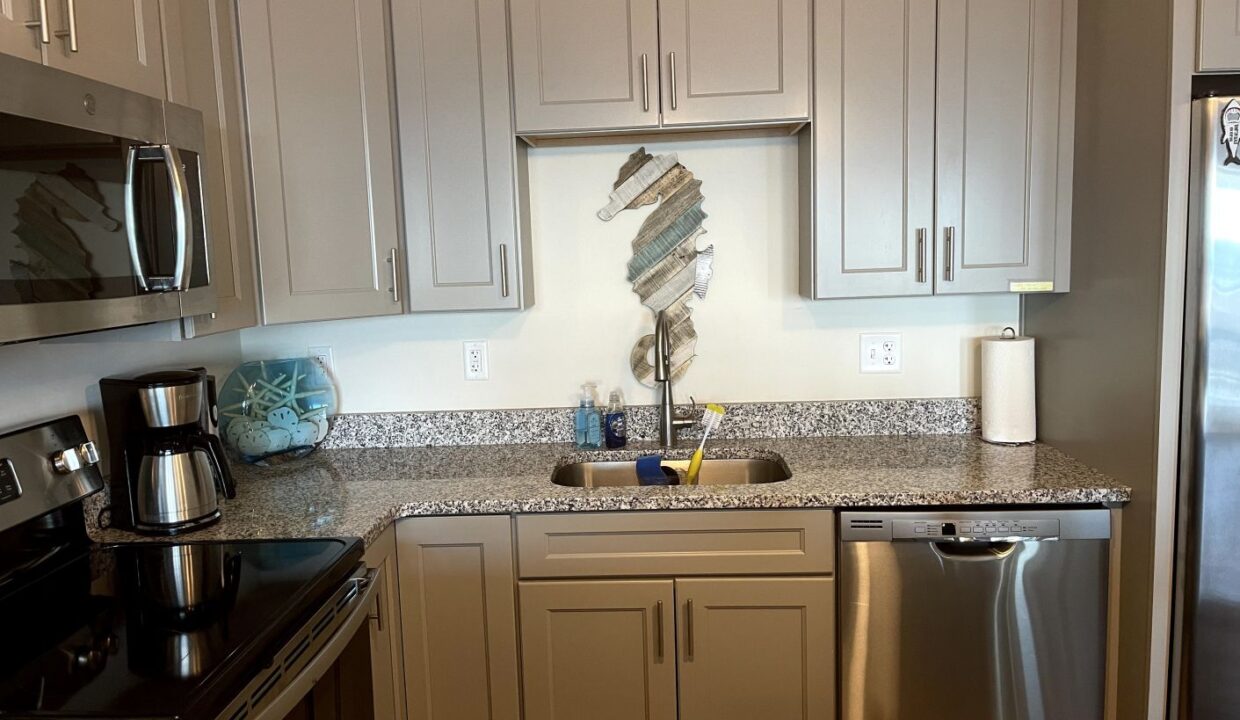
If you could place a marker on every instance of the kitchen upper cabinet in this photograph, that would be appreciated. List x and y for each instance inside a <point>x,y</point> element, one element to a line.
<point>756,647</point>
<point>318,96</point>
<point>117,42</point>
<point>643,64</point>
<point>16,38</point>
<point>940,155</point>
<point>466,210</point>
<point>203,72</point>
<point>1218,36</point>
<point>585,65</point>
<point>869,203</point>
<point>458,617</point>
<point>734,60</point>
<point>1004,141</point>
<point>603,650</point>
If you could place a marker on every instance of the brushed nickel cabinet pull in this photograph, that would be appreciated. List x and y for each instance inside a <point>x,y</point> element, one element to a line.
<point>45,30</point>
<point>658,629</point>
<point>949,250</point>
<point>72,31</point>
<point>921,255</point>
<point>395,276</point>
<point>645,85</point>
<point>503,270</point>
<point>689,629</point>
<point>671,61</point>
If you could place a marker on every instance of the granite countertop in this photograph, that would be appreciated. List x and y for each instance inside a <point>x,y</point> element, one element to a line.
<point>358,492</point>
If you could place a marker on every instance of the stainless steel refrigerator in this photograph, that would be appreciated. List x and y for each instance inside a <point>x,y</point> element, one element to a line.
<point>1206,666</point>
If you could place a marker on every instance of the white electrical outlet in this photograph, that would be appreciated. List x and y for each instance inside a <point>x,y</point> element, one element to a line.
<point>881,353</point>
<point>476,360</point>
<point>322,355</point>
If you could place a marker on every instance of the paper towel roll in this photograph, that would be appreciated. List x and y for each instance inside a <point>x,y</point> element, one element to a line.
<point>1009,412</point>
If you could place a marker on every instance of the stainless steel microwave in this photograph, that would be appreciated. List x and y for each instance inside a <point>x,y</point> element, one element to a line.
<point>102,220</point>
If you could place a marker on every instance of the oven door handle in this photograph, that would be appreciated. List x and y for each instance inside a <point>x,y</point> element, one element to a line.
<point>182,223</point>
<point>297,689</point>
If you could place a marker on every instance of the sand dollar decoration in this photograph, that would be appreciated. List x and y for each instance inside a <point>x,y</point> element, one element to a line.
<point>667,268</point>
<point>275,410</point>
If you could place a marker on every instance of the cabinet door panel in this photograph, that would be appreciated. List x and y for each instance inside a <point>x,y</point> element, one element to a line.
<point>578,65</point>
<point>458,617</point>
<point>872,185</point>
<point>736,61</point>
<point>458,155</point>
<point>15,38</point>
<point>118,42</point>
<point>756,647</point>
<point>318,100</point>
<point>1005,133</point>
<point>602,650</point>
<point>1219,36</point>
<point>204,73</point>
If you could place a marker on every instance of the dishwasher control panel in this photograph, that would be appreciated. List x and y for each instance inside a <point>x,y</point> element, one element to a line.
<point>975,529</point>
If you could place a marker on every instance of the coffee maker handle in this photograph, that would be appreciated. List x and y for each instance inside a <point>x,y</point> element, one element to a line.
<point>223,474</point>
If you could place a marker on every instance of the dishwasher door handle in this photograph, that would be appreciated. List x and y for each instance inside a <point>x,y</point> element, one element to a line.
<point>974,551</point>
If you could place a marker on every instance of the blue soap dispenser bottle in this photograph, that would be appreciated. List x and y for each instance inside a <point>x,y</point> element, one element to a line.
<point>588,426</point>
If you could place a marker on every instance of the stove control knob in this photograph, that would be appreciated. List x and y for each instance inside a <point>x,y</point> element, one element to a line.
<point>67,461</point>
<point>89,453</point>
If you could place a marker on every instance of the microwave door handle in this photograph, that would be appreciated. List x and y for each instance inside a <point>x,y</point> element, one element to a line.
<point>131,216</point>
<point>180,209</point>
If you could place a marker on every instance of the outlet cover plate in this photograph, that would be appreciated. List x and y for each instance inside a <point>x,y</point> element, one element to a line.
<point>882,353</point>
<point>322,354</point>
<point>476,365</point>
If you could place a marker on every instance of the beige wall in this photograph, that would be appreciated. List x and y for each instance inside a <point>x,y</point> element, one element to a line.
<point>1100,347</point>
<point>50,379</point>
<point>758,339</point>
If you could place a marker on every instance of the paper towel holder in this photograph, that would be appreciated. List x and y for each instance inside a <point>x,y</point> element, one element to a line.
<point>1004,334</point>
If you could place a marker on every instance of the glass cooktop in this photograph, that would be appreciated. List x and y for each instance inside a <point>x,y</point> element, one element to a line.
<point>158,630</point>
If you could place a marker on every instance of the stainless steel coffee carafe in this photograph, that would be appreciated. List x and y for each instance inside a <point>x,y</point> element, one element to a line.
<point>168,468</point>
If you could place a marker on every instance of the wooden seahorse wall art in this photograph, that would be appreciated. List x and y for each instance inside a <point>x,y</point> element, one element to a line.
<point>667,269</point>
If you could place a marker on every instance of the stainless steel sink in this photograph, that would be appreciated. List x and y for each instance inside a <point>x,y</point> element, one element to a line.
<point>721,471</point>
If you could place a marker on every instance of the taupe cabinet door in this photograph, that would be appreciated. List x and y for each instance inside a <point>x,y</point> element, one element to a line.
<point>459,156</point>
<point>118,42</point>
<point>1006,90</point>
<point>871,193</point>
<point>204,73</point>
<point>734,60</point>
<point>321,151</point>
<point>599,650</point>
<point>15,38</point>
<point>585,65</point>
<point>756,648</point>
<point>1218,36</point>
<point>386,663</point>
<point>458,617</point>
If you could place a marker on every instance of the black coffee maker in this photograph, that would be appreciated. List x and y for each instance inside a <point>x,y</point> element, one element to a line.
<point>168,468</point>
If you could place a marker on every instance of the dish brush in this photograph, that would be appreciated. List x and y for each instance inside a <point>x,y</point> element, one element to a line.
<point>710,420</point>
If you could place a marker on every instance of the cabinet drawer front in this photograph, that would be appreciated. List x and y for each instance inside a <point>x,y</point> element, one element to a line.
<point>767,542</point>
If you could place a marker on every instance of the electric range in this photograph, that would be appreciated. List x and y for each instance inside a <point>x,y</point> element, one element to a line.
<point>153,629</point>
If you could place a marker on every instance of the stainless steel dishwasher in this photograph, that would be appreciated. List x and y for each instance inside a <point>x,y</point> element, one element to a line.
<point>987,615</point>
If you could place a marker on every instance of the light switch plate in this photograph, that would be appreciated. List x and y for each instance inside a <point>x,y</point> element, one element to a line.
<point>881,353</point>
<point>476,367</point>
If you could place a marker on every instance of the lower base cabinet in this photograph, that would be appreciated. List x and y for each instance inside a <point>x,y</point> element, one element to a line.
<point>386,664</point>
<point>758,647</point>
<point>599,649</point>
<point>459,619</point>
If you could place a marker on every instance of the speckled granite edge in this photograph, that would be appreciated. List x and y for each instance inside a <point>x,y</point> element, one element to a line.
<point>934,416</point>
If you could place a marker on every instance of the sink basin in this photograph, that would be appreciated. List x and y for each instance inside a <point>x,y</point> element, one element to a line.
<point>721,471</point>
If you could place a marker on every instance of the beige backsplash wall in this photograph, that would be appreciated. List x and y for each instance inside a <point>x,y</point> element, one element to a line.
<point>758,340</point>
<point>39,381</point>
